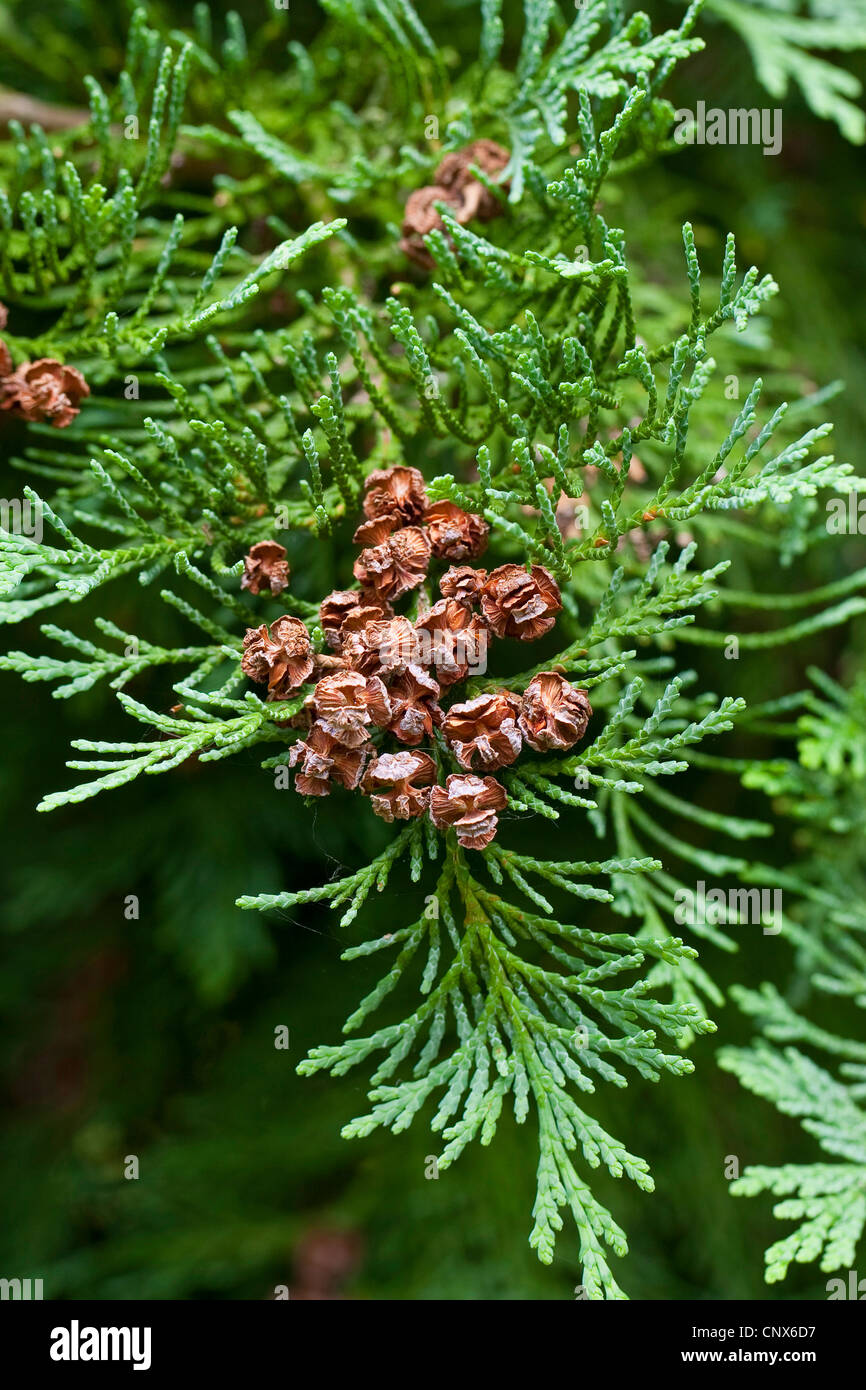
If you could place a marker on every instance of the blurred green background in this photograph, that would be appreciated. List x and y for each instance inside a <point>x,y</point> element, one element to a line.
<point>155,1037</point>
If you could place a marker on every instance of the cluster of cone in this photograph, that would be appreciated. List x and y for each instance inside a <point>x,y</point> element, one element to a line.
<point>386,673</point>
<point>455,185</point>
<point>40,390</point>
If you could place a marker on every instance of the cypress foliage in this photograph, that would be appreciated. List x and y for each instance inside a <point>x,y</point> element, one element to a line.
<point>823,789</point>
<point>255,343</point>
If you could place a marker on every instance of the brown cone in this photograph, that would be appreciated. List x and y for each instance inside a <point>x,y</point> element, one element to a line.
<point>281,658</point>
<point>469,803</point>
<point>323,761</point>
<point>517,604</point>
<point>266,567</point>
<point>398,784</point>
<point>348,704</point>
<point>44,390</point>
<point>554,714</point>
<point>484,730</point>
<point>455,534</point>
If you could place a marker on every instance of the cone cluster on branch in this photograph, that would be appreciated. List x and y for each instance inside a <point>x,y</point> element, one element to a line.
<point>373,719</point>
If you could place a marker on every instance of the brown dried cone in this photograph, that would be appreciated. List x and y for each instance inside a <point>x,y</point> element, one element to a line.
<point>554,713</point>
<point>345,610</point>
<point>420,217</point>
<point>396,493</point>
<point>266,567</point>
<point>333,611</point>
<point>455,174</point>
<point>517,604</point>
<point>323,760</point>
<point>282,658</point>
<point>415,709</point>
<point>456,641</point>
<point>397,565</point>
<point>485,728</point>
<point>347,704</point>
<point>398,784</point>
<point>44,390</point>
<point>463,583</point>
<point>375,532</point>
<point>381,646</point>
<point>469,803</point>
<point>455,534</point>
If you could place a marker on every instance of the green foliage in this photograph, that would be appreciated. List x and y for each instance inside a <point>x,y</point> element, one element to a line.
<point>539,370</point>
<point>825,789</point>
<point>780,39</point>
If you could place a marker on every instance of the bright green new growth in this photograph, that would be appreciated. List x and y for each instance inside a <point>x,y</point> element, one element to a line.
<point>528,369</point>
